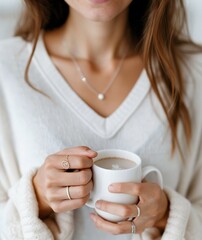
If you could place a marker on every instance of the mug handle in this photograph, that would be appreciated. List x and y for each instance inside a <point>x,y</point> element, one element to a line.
<point>158,179</point>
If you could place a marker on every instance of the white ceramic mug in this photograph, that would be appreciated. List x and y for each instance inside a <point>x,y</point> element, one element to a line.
<point>103,177</point>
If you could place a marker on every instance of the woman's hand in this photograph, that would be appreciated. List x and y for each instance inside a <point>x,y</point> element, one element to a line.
<point>153,204</point>
<point>53,178</point>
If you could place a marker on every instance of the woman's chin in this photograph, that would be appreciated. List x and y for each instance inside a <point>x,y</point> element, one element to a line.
<point>99,1</point>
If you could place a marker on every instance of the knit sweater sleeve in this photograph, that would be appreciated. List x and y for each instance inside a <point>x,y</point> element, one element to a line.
<point>194,226</point>
<point>19,212</point>
<point>185,217</point>
<point>18,204</point>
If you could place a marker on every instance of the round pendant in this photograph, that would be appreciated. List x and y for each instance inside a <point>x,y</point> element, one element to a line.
<point>83,79</point>
<point>101,96</point>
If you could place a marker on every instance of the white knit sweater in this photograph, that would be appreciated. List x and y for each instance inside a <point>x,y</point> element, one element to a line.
<point>32,126</point>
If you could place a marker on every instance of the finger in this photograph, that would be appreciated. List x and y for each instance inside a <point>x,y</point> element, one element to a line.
<point>59,194</point>
<point>80,151</point>
<point>63,179</point>
<point>124,211</point>
<point>149,194</point>
<point>75,162</point>
<point>68,205</point>
<point>142,223</point>
<point>80,191</point>
<point>117,228</point>
<point>112,228</point>
<point>143,190</point>
<point>131,188</point>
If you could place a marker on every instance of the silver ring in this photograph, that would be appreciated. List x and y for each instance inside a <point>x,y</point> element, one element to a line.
<point>68,193</point>
<point>138,211</point>
<point>65,163</point>
<point>133,227</point>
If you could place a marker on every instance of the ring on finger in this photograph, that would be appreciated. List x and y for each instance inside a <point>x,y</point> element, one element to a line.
<point>68,193</point>
<point>133,227</point>
<point>138,211</point>
<point>136,215</point>
<point>65,163</point>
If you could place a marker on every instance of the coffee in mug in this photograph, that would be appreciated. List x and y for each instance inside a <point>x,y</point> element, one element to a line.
<point>115,163</point>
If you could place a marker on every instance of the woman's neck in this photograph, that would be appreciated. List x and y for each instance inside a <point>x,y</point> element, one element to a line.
<point>95,41</point>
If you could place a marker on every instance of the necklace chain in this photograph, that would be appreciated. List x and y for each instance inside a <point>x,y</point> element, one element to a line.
<point>100,94</point>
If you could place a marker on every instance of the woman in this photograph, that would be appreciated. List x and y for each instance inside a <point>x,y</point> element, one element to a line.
<point>85,75</point>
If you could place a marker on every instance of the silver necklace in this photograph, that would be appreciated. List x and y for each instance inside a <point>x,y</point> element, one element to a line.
<point>100,94</point>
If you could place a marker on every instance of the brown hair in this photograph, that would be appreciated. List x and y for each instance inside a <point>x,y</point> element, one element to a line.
<point>157,29</point>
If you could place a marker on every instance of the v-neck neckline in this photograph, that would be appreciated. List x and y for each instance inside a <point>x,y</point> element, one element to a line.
<point>105,127</point>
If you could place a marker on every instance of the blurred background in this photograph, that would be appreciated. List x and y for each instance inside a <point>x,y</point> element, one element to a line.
<point>10,11</point>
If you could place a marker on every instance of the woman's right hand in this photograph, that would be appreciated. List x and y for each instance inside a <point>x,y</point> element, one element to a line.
<point>51,181</point>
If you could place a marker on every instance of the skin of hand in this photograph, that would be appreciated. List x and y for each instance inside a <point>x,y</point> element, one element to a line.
<point>51,180</point>
<point>153,204</point>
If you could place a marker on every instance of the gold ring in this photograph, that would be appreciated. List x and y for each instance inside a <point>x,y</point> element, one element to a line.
<point>138,211</point>
<point>68,193</point>
<point>65,163</point>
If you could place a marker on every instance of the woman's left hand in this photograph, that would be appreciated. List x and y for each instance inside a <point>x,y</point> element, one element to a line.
<point>153,204</point>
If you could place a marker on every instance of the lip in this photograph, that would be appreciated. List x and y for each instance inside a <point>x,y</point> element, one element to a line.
<point>99,1</point>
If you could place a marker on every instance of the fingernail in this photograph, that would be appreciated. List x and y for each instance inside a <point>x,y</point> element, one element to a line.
<point>98,204</point>
<point>111,187</point>
<point>91,151</point>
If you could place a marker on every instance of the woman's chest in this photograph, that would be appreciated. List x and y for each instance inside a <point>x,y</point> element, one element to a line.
<point>44,129</point>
